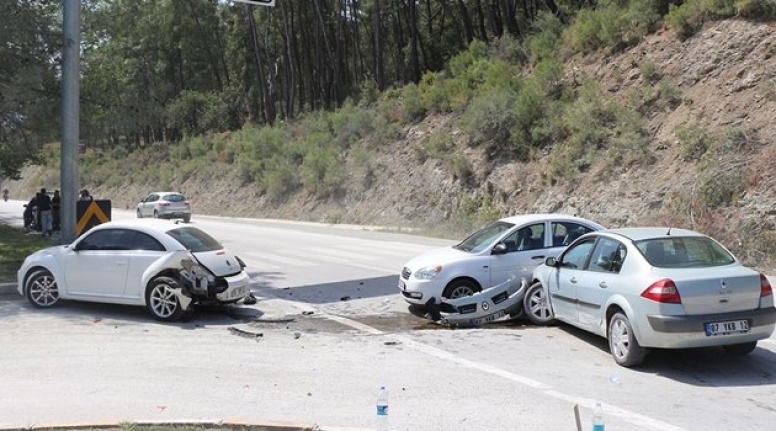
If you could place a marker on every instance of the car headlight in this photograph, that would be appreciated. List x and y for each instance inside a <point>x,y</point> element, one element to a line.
<point>428,272</point>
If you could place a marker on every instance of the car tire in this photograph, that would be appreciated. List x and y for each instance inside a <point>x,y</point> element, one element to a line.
<point>460,289</point>
<point>186,219</point>
<point>156,214</point>
<point>161,300</point>
<point>536,306</point>
<point>740,349</point>
<point>623,345</point>
<point>41,289</point>
<point>139,214</point>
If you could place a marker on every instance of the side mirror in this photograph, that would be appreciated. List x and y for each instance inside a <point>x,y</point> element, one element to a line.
<point>551,261</point>
<point>499,248</point>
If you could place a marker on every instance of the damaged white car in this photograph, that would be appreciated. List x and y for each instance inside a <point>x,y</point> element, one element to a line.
<point>166,267</point>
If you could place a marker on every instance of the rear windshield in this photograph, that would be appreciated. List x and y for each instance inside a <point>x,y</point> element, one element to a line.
<point>195,240</point>
<point>174,198</point>
<point>687,252</point>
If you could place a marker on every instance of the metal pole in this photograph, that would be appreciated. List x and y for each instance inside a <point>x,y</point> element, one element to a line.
<point>71,63</point>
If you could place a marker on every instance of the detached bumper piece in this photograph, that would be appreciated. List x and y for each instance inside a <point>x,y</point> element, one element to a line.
<point>487,306</point>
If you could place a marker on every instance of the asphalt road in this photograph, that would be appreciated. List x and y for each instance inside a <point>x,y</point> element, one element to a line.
<point>328,329</point>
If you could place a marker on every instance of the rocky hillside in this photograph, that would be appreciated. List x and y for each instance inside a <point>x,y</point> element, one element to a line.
<point>709,101</point>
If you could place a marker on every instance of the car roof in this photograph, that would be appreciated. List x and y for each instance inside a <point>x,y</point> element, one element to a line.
<point>528,218</point>
<point>166,193</point>
<point>642,233</point>
<point>143,225</point>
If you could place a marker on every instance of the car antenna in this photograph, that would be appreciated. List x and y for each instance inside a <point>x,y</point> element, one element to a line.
<point>669,232</point>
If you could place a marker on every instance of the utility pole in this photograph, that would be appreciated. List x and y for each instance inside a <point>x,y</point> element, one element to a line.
<point>71,64</point>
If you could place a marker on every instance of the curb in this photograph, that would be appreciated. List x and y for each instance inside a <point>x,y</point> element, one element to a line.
<point>236,423</point>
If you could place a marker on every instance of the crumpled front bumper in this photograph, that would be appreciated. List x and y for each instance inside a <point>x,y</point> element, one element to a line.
<point>486,306</point>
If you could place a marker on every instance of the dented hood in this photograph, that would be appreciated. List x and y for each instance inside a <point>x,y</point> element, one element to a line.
<point>220,262</point>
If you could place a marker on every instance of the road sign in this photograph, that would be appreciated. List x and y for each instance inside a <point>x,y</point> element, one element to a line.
<point>257,2</point>
<point>90,214</point>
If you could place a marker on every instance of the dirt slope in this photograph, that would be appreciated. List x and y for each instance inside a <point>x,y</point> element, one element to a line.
<point>724,78</point>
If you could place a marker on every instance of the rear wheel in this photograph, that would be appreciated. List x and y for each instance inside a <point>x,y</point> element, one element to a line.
<point>740,349</point>
<point>186,218</point>
<point>41,289</point>
<point>623,345</point>
<point>460,289</point>
<point>162,301</point>
<point>537,305</point>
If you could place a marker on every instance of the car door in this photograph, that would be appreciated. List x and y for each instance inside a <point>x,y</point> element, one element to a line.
<point>97,266</point>
<point>599,282</point>
<point>563,283</point>
<point>149,203</point>
<point>525,250</point>
<point>145,251</point>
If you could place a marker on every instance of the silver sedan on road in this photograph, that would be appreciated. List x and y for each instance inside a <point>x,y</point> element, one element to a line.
<point>654,287</point>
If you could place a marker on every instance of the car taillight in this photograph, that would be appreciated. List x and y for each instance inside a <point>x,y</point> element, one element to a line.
<point>186,203</point>
<point>765,287</point>
<point>663,291</point>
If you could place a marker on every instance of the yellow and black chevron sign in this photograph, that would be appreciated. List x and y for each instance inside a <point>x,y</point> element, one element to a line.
<point>90,214</point>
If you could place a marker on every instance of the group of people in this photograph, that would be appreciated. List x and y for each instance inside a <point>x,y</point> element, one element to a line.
<point>42,211</point>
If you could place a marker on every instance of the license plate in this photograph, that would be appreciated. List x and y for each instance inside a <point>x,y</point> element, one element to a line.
<point>487,319</point>
<point>726,328</point>
<point>402,286</point>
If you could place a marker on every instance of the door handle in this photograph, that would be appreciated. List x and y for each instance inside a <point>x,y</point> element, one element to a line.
<point>573,280</point>
<point>537,257</point>
<point>602,285</point>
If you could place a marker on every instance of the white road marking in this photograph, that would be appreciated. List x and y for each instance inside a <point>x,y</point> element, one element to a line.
<point>627,415</point>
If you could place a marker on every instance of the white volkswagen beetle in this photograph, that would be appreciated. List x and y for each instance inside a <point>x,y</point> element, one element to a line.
<point>166,267</point>
<point>506,249</point>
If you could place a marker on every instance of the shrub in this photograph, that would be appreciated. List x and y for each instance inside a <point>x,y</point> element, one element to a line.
<point>545,41</point>
<point>720,187</point>
<point>489,119</point>
<point>756,9</point>
<point>412,103</point>
<point>649,71</point>
<point>694,140</point>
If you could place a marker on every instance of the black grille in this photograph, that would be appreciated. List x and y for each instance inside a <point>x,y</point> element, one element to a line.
<point>501,297</point>
<point>405,273</point>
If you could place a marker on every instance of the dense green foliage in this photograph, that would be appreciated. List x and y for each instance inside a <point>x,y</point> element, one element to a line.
<point>291,94</point>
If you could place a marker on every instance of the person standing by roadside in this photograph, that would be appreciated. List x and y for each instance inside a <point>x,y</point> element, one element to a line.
<point>85,196</point>
<point>44,211</point>
<point>55,202</point>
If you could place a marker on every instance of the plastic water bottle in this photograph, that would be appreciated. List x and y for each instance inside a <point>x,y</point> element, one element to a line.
<point>598,418</point>
<point>382,409</point>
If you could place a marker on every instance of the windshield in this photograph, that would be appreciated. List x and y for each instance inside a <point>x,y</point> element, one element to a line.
<point>687,252</point>
<point>195,240</point>
<point>484,237</point>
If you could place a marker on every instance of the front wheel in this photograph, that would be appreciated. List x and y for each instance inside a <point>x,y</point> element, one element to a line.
<point>139,214</point>
<point>537,305</point>
<point>623,345</point>
<point>740,349</point>
<point>459,289</point>
<point>41,289</point>
<point>162,301</point>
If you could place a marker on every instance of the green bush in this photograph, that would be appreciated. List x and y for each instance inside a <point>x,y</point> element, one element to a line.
<point>764,10</point>
<point>544,43</point>
<point>412,102</point>
<point>490,118</point>
<point>694,140</point>
<point>720,187</point>
<point>650,72</point>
